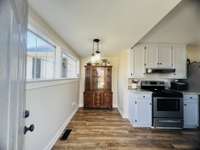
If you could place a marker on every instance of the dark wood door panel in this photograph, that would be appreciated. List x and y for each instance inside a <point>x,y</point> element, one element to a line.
<point>98,96</point>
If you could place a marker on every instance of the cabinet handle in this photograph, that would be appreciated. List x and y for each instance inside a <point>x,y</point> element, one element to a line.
<point>150,103</point>
<point>135,102</point>
<point>185,104</point>
<point>143,96</point>
<point>135,120</point>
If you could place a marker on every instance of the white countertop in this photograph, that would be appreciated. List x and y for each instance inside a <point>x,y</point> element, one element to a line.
<point>145,91</point>
<point>139,90</point>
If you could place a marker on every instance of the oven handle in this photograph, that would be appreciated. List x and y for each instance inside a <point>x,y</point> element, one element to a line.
<point>170,121</point>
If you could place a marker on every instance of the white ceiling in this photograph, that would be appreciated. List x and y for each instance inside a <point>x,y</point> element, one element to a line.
<point>119,23</point>
<point>182,25</point>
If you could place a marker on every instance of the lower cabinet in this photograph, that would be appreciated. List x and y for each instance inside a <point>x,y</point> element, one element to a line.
<point>98,99</point>
<point>140,109</point>
<point>191,111</point>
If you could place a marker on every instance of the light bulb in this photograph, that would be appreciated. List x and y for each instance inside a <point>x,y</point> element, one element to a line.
<point>93,59</point>
<point>98,56</point>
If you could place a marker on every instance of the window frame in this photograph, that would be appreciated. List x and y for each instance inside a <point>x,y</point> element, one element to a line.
<point>63,52</point>
<point>75,59</point>
<point>54,62</point>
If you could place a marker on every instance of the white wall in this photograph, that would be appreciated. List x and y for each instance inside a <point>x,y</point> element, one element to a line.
<point>123,84</point>
<point>180,26</point>
<point>115,63</point>
<point>193,53</point>
<point>51,105</point>
<point>41,27</point>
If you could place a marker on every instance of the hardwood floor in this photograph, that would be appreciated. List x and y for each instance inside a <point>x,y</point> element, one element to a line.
<point>107,130</point>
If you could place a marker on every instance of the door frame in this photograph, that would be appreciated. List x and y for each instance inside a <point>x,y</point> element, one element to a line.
<point>13,27</point>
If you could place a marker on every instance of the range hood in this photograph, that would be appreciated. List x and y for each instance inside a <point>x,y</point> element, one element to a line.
<point>160,70</point>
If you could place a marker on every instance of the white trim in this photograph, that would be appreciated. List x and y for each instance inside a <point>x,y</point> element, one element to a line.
<point>60,131</point>
<point>48,83</point>
<point>122,114</point>
<point>50,80</point>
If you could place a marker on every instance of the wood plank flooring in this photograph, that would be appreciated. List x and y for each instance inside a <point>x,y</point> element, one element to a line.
<point>107,130</point>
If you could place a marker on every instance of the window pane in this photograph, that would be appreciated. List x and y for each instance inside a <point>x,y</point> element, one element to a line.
<point>70,66</point>
<point>40,58</point>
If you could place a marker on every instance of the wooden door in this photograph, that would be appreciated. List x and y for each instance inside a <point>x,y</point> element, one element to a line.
<point>88,99</point>
<point>107,99</point>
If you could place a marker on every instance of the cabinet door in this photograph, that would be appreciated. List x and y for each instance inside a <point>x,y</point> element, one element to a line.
<point>88,100</point>
<point>131,107</point>
<point>191,110</point>
<point>179,61</point>
<point>142,112</point>
<point>165,56</point>
<point>107,100</point>
<point>130,63</point>
<point>136,62</point>
<point>151,56</point>
<point>139,64</point>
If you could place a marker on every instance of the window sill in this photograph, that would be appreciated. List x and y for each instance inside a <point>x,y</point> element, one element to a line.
<point>35,84</point>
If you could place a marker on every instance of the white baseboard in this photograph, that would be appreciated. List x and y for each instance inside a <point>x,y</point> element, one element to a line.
<point>125,116</point>
<point>60,131</point>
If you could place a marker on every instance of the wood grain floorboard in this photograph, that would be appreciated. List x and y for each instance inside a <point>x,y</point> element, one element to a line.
<point>107,130</point>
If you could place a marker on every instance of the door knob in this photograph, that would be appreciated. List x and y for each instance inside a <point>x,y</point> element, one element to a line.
<point>26,114</point>
<point>30,128</point>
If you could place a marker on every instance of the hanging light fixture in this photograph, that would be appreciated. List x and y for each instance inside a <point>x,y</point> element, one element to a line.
<point>96,55</point>
<point>93,54</point>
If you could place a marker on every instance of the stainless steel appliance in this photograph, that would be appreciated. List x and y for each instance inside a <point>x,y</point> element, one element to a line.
<point>167,105</point>
<point>180,85</point>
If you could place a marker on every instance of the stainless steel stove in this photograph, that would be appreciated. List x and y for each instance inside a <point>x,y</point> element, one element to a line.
<point>167,105</point>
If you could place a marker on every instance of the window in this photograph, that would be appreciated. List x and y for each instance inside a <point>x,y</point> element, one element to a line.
<point>40,58</point>
<point>70,66</point>
<point>44,60</point>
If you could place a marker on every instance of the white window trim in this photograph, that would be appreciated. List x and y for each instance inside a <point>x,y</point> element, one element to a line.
<point>36,84</point>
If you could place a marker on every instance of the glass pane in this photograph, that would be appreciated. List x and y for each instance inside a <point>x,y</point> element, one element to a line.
<point>168,105</point>
<point>100,78</point>
<point>40,57</point>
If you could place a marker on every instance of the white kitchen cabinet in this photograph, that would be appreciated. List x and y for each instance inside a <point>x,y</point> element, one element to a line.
<point>179,61</point>
<point>191,111</point>
<point>144,56</point>
<point>151,56</point>
<point>165,56</point>
<point>136,62</point>
<point>140,109</point>
<point>158,56</point>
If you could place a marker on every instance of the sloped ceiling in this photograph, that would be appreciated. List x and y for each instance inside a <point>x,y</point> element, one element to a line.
<point>182,25</point>
<point>118,23</point>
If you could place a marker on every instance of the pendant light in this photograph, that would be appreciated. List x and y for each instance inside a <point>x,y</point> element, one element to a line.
<point>96,55</point>
<point>93,54</point>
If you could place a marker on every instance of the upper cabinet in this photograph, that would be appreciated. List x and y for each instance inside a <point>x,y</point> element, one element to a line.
<point>151,56</point>
<point>160,56</point>
<point>180,61</point>
<point>165,56</point>
<point>136,62</point>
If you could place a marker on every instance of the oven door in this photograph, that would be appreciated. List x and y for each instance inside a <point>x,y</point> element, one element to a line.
<point>168,107</point>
